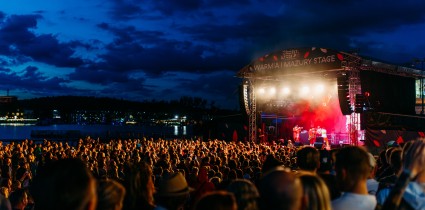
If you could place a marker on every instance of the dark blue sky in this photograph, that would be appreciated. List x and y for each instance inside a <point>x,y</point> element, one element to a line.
<point>150,49</point>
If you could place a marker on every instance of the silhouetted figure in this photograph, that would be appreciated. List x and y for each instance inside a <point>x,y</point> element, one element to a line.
<point>110,195</point>
<point>139,187</point>
<point>65,184</point>
<point>280,189</point>
<point>217,200</point>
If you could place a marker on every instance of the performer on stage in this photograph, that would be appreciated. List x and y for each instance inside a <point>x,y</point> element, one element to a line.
<point>296,131</point>
<point>326,144</point>
<point>318,131</point>
<point>312,136</point>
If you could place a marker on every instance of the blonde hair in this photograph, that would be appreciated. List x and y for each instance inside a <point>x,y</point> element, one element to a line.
<point>315,192</point>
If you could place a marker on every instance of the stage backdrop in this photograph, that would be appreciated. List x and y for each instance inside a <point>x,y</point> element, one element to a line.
<point>386,138</point>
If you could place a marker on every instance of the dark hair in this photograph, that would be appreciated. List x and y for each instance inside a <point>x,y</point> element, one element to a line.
<point>109,194</point>
<point>217,200</point>
<point>395,159</point>
<point>136,182</point>
<point>280,189</point>
<point>270,163</point>
<point>63,184</point>
<point>246,194</point>
<point>308,158</point>
<point>355,160</point>
<point>17,197</point>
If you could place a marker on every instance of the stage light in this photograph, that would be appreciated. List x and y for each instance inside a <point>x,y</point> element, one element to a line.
<point>261,90</point>
<point>320,88</point>
<point>272,91</point>
<point>305,90</point>
<point>286,91</point>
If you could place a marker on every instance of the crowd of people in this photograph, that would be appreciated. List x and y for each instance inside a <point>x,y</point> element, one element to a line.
<point>193,174</point>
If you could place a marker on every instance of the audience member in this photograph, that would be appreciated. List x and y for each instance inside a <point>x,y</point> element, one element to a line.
<point>18,199</point>
<point>315,193</point>
<point>395,163</point>
<point>372,184</point>
<point>280,189</point>
<point>246,194</point>
<point>352,170</point>
<point>386,170</point>
<point>139,187</point>
<point>408,192</point>
<point>110,195</point>
<point>308,159</point>
<point>216,200</point>
<point>173,192</point>
<point>65,184</point>
<point>203,184</point>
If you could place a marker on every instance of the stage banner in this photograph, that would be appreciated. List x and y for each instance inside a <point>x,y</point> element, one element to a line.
<point>296,61</point>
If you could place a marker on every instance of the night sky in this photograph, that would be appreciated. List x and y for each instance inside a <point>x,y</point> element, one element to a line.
<point>164,49</point>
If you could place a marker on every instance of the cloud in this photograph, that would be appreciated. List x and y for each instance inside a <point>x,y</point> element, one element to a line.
<point>31,79</point>
<point>2,15</point>
<point>222,86</point>
<point>98,76</point>
<point>153,53</point>
<point>125,10</point>
<point>18,40</point>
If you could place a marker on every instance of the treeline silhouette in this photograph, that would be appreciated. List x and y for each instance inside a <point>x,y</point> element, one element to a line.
<point>193,107</point>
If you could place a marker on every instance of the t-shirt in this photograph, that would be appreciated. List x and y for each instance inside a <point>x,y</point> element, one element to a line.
<point>353,201</point>
<point>372,186</point>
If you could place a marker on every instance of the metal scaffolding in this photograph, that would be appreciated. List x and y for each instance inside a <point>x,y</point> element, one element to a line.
<point>250,104</point>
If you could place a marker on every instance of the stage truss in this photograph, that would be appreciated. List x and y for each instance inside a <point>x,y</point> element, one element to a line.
<point>352,64</point>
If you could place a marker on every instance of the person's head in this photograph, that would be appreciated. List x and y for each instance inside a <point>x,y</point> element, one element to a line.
<point>395,160</point>
<point>414,159</point>
<point>110,195</point>
<point>173,191</point>
<point>16,185</point>
<point>308,158</point>
<point>203,174</point>
<point>382,159</point>
<point>270,162</point>
<point>64,184</point>
<point>352,167</point>
<point>406,147</point>
<point>246,194</point>
<point>18,199</point>
<point>216,200</point>
<point>139,185</point>
<point>280,189</point>
<point>315,193</point>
